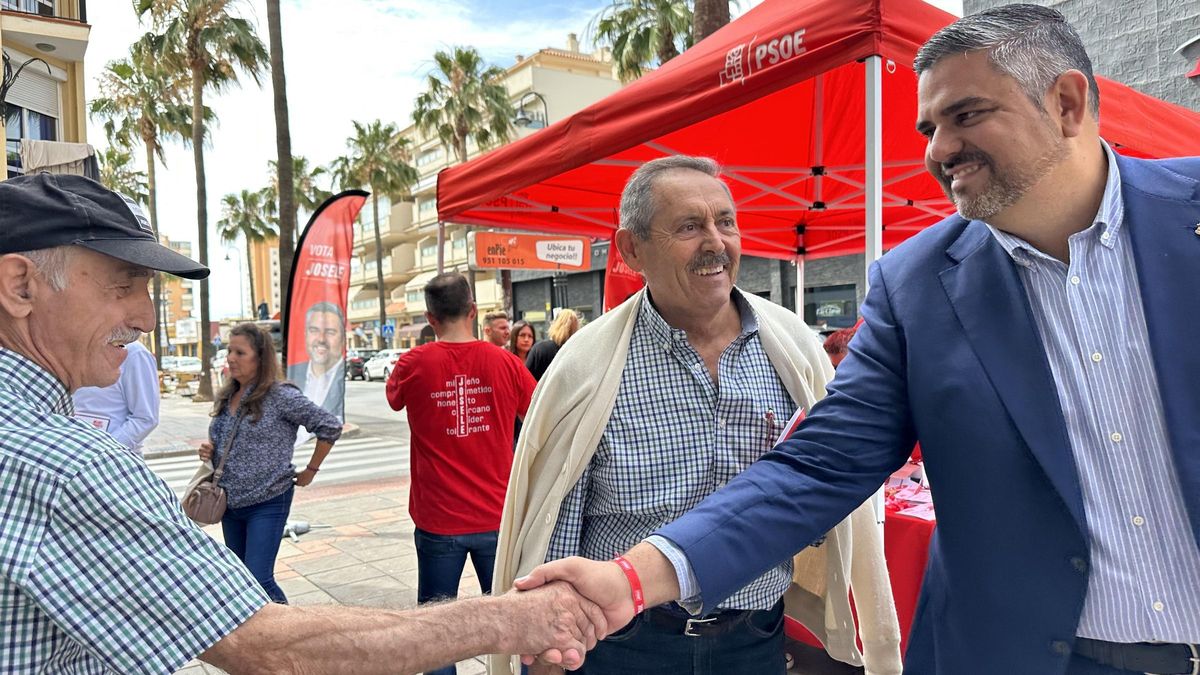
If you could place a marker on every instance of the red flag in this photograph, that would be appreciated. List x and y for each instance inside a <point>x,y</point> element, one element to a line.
<point>620,281</point>
<point>314,322</point>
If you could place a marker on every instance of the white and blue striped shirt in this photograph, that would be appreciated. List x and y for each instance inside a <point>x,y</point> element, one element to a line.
<point>1145,567</point>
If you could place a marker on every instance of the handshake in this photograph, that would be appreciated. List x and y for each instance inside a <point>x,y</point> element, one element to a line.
<point>563,608</point>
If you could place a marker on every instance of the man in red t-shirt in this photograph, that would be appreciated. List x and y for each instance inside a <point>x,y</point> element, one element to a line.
<point>462,395</point>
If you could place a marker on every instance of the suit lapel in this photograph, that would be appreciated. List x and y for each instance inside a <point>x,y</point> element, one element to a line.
<point>1162,212</point>
<point>986,294</point>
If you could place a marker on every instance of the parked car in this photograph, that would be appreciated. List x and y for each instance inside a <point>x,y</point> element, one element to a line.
<point>379,366</point>
<point>355,359</point>
<point>187,364</point>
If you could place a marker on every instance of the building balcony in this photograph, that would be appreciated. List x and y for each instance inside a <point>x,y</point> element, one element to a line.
<point>392,227</point>
<point>53,27</point>
<point>401,266</point>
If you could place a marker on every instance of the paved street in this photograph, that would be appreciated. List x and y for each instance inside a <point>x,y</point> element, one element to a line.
<point>378,449</point>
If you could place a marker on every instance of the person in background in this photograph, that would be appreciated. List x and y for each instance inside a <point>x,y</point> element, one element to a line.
<point>495,328</point>
<point>461,394</point>
<point>255,418</point>
<point>522,339</point>
<point>837,344</point>
<point>127,410</point>
<point>561,329</point>
<point>519,343</point>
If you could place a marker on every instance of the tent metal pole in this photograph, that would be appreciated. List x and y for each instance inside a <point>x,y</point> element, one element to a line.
<point>874,163</point>
<point>799,262</point>
<point>441,247</point>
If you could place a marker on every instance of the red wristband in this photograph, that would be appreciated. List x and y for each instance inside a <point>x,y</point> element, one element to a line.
<point>635,584</point>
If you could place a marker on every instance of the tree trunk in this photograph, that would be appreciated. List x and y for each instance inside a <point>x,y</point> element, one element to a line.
<point>159,329</point>
<point>708,17</point>
<point>506,293</point>
<point>205,393</point>
<point>283,150</point>
<point>666,46</point>
<point>250,277</point>
<point>379,339</point>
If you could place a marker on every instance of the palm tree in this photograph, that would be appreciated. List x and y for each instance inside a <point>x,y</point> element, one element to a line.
<point>307,194</point>
<point>283,150</point>
<point>143,100</point>
<point>642,32</point>
<point>245,215</point>
<point>204,39</point>
<point>379,160</point>
<point>118,174</point>
<point>464,100</point>
<point>709,17</point>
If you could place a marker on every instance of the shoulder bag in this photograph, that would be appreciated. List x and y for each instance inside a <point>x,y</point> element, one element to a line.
<point>204,501</point>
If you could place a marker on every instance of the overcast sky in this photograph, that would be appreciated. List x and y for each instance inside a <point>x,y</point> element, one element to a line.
<point>346,60</point>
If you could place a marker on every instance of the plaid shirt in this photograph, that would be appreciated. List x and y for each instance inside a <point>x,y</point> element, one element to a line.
<point>100,571</point>
<point>675,437</point>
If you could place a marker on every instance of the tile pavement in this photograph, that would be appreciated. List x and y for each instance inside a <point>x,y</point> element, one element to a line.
<point>360,552</point>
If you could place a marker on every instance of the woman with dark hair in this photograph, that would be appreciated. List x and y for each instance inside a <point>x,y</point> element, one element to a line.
<point>255,418</point>
<point>521,340</point>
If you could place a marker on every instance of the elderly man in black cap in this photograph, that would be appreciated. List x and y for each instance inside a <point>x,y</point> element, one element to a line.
<point>99,569</point>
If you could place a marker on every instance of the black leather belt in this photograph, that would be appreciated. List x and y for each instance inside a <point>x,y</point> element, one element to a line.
<point>1142,657</point>
<point>713,625</point>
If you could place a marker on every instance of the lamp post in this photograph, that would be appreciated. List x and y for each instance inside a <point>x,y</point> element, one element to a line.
<point>241,291</point>
<point>523,119</point>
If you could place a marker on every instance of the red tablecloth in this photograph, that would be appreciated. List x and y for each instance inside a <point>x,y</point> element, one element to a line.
<point>906,546</point>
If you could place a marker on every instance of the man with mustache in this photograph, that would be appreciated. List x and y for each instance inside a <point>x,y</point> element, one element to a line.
<point>1041,347</point>
<point>658,403</point>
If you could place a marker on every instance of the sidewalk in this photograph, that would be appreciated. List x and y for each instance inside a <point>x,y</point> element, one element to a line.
<point>360,552</point>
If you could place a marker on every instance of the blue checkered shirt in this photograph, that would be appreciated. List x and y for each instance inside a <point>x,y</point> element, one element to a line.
<point>675,437</point>
<point>100,571</point>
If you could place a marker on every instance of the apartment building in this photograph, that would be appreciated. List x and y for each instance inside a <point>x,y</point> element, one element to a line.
<point>264,258</point>
<point>545,87</point>
<point>46,101</point>
<point>178,326</point>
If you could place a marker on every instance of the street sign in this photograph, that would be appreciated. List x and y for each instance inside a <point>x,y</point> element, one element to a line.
<point>388,330</point>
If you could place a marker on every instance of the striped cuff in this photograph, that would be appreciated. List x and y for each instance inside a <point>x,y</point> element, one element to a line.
<point>689,586</point>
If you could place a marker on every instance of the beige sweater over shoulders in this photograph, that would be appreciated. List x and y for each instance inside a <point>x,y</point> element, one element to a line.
<point>567,416</point>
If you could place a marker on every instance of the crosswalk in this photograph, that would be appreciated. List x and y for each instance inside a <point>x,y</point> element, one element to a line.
<point>352,459</point>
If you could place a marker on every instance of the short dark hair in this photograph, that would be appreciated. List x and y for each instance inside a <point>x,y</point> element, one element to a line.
<point>325,307</point>
<point>1034,45</point>
<point>448,296</point>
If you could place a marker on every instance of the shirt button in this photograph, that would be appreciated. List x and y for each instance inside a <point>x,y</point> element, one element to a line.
<point>1075,279</point>
<point>1096,357</point>
<point>1158,606</point>
<point>721,423</point>
<point>1139,521</point>
<point>1079,564</point>
<point>1116,437</point>
<point>1060,647</point>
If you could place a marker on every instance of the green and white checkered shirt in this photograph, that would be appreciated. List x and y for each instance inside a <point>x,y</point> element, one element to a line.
<point>100,571</point>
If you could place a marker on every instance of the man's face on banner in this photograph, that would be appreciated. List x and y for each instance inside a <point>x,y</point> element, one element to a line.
<point>325,339</point>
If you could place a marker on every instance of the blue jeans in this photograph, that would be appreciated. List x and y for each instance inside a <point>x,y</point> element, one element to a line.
<point>440,562</point>
<point>253,534</point>
<point>753,647</point>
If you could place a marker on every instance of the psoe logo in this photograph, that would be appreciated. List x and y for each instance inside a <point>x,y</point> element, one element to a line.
<point>746,59</point>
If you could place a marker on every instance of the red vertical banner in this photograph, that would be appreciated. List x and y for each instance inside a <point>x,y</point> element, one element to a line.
<point>620,281</point>
<point>314,321</point>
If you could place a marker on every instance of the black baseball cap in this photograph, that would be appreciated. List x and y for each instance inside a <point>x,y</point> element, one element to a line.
<point>47,210</point>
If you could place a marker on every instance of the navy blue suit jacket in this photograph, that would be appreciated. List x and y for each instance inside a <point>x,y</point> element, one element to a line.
<point>949,354</point>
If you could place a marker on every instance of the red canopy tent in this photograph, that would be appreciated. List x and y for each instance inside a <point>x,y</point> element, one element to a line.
<point>810,106</point>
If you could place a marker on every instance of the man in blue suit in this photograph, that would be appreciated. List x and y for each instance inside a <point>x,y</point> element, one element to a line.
<point>1041,347</point>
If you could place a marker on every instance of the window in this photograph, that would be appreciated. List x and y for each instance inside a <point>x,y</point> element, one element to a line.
<point>429,250</point>
<point>414,296</point>
<point>429,157</point>
<point>21,123</point>
<point>460,244</point>
<point>426,208</point>
<point>41,7</point>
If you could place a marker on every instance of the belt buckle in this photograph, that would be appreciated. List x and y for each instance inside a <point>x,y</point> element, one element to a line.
<point>691,623</point>
<point>1194,659</point>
